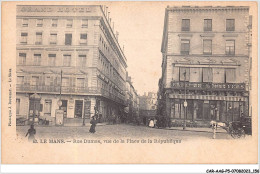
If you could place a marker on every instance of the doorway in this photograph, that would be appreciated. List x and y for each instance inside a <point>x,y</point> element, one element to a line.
<point>78,108</point>
<point>64,107</point>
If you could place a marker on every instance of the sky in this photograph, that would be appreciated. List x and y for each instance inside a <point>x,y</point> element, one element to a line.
<point>140,27</point>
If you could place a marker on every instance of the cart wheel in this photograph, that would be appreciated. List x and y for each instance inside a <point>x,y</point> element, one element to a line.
<point>238,133</point>
<point>241,133</point>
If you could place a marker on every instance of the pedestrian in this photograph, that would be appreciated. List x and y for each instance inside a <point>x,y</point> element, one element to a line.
<point>155,123</point>
<point>151,123</point>
<point>31,133</point>
<point>93,123</point>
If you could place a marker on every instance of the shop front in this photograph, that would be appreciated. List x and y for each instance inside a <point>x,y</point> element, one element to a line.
<point>211,108</point>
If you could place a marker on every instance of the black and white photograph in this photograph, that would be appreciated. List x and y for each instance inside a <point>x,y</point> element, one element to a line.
<point>138,77</point>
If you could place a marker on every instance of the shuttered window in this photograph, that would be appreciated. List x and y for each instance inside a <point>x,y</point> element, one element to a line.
<point>22,58</point>
<point>51,59</point>
<point>207,75</point>
<point>38,38</point>
<point>184,74</point>
<point>185,26</point>
<point>230,75</point>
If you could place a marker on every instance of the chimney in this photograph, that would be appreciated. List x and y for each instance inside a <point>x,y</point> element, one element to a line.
<point>108,16</point>
<point>113,26</point>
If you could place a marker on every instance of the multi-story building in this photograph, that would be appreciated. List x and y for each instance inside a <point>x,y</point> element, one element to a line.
<point>132,99</point>
<point>148,106</point>
<point>149,101</point>
<point>72,48</point>
<point>205,61</point>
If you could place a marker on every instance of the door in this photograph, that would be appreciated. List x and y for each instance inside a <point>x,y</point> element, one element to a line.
<point>78,108</point>
<point>206,112</point>
<point>213,110</point>
<point>64,107</point>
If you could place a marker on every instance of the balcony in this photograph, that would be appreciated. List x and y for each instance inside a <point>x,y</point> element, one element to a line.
<point>70,90</point>
<point>209,86</point>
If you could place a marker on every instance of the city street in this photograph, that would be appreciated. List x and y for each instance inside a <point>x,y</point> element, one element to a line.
<point>122,131</point>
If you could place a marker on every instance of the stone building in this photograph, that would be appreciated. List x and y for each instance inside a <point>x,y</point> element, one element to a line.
<point>205,61</point>
<point>149,101</point>
<point>73,49</point>
<point>132,99</point>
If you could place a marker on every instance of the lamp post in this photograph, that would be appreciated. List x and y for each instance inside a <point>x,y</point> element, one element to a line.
<point>185,104</point>
<point>216,110</point>
<point>60,102</point>
<point>230,107</point>
<point>240,108</point>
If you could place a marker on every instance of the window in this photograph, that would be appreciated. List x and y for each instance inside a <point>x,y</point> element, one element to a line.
<point>207,46</point>
<point>207,74</point>
<point>17,106</point>
<point>20,80</point>
<point>68,39</point>
<point>184,74</point>
<point>47,106</point>
<point>84,23</point>
<point>83,38</point>
<point>51,60</point>
<point>22,58</point>
<point>54,22</point>
<point>53,38</point>
<point>37,59</point>
<point>39,22</point>
<point>35,80</point>
<point>81,60</point>
<point>38,38</point>
<point>66,59</point>
<point>230,75</point>
<point>65,81</point>
<point>24,38</point>
<point>207,24</point>
<point>80,82</point>
<point>230,25</point>
<point>69,23</point>
<point>185,25</point>
<point>230,47</point>
<point>25,23</point>
<point>185,47</point>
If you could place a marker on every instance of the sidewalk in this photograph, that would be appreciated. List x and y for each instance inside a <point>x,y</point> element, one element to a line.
<point>198,129</point>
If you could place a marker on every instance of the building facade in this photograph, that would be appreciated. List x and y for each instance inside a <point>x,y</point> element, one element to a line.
<point>148,107</point>
<point>71,50</point>
<point>132,99</point>
<point>205,61</point>
<point>149,101</point>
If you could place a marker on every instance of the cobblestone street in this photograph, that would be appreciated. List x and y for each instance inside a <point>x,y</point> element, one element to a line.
<point>122,131</point>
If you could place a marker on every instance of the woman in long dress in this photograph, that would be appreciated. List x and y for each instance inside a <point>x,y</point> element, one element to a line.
<point>31,132</point>
<point>151,123</point>
<point>93,123</point>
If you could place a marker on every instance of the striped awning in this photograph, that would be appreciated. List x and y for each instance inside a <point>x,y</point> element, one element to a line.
<point>208,97</point>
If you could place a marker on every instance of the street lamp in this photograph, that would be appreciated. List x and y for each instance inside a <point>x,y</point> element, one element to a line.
<point>185,104</point>
<point>216,110</point>
<point>59,102</point>
<point>230,107</point>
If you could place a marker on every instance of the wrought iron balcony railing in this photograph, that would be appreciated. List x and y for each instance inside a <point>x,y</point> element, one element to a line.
<point>209,86</point>
<point>70,90</point>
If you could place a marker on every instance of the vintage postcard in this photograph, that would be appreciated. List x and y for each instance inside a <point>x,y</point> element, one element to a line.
<point>129,82</point>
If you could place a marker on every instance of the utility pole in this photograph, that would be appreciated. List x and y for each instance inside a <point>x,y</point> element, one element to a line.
<point>60,87</point>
